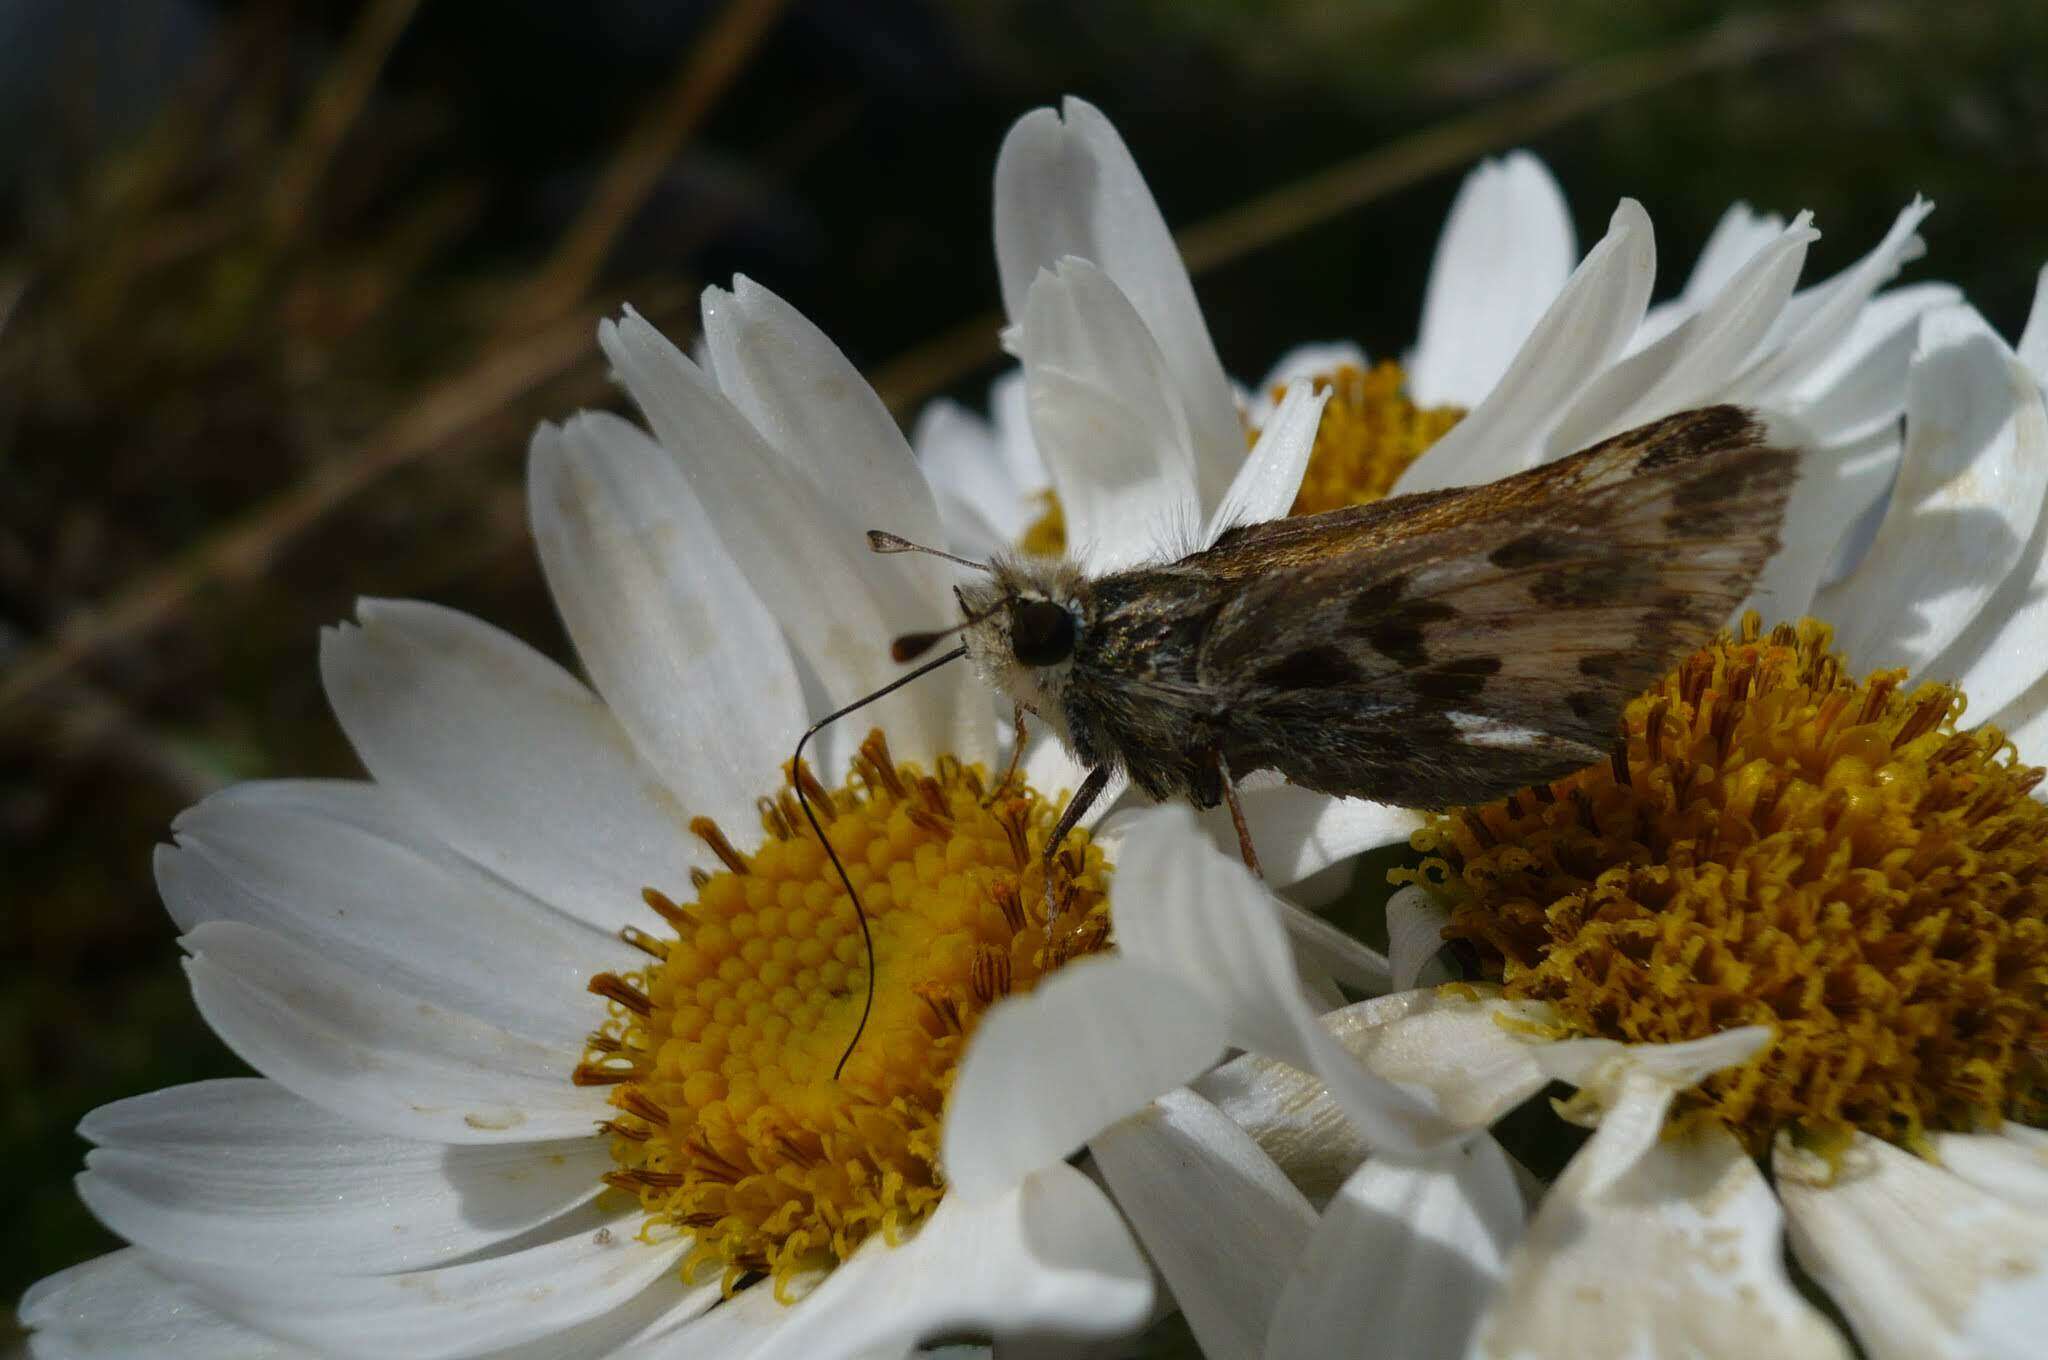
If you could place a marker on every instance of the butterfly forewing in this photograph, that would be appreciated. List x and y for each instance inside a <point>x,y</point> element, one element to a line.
<point>1455,646</point>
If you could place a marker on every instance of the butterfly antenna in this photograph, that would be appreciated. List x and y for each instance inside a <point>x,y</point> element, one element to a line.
<point>881,541</point>
<point>796,763</point>
<point>909,647</point>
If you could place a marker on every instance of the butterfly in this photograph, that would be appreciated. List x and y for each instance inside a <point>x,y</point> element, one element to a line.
<point>1424,650</point>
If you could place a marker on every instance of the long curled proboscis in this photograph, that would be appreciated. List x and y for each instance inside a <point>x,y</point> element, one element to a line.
<point>796,763</point>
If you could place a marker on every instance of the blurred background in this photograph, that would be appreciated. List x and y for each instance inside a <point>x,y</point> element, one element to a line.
<point>284,287</point>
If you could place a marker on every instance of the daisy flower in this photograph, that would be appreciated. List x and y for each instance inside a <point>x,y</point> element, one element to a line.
<point>1520,353</point>
<point>1119,434</point>
<point>554,1013</point>
<point>1790,945</point>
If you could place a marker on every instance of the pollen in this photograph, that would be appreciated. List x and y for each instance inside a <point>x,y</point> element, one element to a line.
<point>1371,431</point>
<point>729,1123</point>
<point>1046,536</point>
<point>1774,842</point>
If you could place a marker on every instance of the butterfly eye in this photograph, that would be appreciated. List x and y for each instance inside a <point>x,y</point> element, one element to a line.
<point>1041,632</point>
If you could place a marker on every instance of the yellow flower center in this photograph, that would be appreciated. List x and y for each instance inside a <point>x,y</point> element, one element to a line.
<point>1775,843</point>
<point>721,1052</point>
<point>1370,432</point>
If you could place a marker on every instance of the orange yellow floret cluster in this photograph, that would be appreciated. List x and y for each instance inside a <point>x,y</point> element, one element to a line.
<point>1369,434</point>
<point>721,1053</point>
<point>1777,843</point>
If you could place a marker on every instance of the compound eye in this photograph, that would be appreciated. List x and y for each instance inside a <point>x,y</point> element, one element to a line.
<point>1041,632</point>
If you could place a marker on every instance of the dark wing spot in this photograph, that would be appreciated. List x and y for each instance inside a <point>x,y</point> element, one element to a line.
<point>1530,550</point>
<point>1579,585</point>
<point>1456,682</point>
<point>1604,665</point>
<point>1323,667</point>
<point>1399,633</point>
<point>1377,598</point>
<point>1724,483</point>
<point>1584,706</point>
<point>1688,434</point>
<point>1703,522</point>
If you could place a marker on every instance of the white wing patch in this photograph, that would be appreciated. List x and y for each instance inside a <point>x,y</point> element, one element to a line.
<point>1479,729</point>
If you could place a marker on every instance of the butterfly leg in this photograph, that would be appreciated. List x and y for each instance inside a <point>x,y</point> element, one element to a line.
<point>1016,758</point>
<point>1091,789</point>
<point>1244,833</point>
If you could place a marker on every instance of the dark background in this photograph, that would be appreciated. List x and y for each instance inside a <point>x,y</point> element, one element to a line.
<point>283,288</point>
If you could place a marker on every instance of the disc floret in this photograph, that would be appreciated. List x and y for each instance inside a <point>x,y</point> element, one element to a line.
<point>1777,843</point>
<point>721,1052</point>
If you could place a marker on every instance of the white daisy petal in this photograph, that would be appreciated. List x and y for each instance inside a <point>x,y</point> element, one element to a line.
<point>1105,415</point>
<point>114,1307</point>
<point>808,558</point>
<point>242,1171</point>
<point>799,390</point>
<point>1415,937</point>
<point>1969,492</point>
<point>1861,384</point>
<point>2011,1164</point>
<point>1270,478</point>
<point>1049,1254</point>
<point>1462,1044</point>
<point>342,867</point>
<point>661,1308</point>
<point>1924,1264</point>
<point>1009,413</point>
<point>1299,832</point>
<point>1691,365</point>
<point>506,757</point>
<point>1998,655</point>
<point>1106,1034</point>
<point>1290,1115</point>
<point>1201,917</point>
<point>1998,658</point>
<point>1504,254</point>
<point>977,500</point>
<point>1602,1065</point>
<point>2025,724</point>
<point>738,1329</point>
<point>381,1059</point>
<point>1318,987</point>
<point>2033,346</point>
<point>968,532</point>
<point>1653,1247</point>
<point>1066,185</point>
<point>462,1310</point>
<point>1579,334</point>
<point>1333,950</point>
<point>1839,485</point>
<point>1402,1259</point>
<point>681,647</point>
<point>1736,238</point>
<point>1220,1221</point>
<point>1817,319</point>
